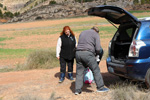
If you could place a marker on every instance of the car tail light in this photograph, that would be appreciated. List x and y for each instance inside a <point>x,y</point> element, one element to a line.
<point>135,48</point>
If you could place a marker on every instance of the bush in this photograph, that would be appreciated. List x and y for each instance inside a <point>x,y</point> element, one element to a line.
<point>41,59</point>
<point>5,8</point>
<point>8,14</point>
<point>35,4</point>
<point>1,14</point>
<point>147,1</point>
<point>16,13</point>
<point>52,2</point>
<point>136,1</point>
<point>1,5</point>
<point>31,7</point>
<point>143,1</point>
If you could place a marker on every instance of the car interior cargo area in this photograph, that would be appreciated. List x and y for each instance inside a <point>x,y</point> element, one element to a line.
<point>122,40</point>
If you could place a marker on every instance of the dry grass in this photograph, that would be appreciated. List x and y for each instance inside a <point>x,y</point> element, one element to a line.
<point>33,97</point>
<point>129,91</point>
<point>40,59</point>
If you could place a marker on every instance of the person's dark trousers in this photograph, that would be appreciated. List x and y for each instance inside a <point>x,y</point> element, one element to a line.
<point>63,63</point>
<point>87,59</point>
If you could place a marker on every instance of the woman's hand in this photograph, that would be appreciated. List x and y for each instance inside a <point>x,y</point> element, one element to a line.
<point>58,58</point>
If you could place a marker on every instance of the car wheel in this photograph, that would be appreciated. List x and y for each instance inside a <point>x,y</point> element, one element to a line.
<point>147,78</point>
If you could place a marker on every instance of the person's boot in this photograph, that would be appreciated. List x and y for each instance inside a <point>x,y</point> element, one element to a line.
<point>62,77</point>
<point>70,75</point>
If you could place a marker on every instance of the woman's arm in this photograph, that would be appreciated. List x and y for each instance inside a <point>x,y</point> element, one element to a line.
<point>58,48</point>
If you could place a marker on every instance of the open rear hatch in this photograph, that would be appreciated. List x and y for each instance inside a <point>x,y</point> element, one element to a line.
<point>114,14</point>
<point>126,30</point>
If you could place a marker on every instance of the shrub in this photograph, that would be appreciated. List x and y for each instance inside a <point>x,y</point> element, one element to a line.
<point>35,4</point>
<point>136,1</point>
<point>1,14</point>
<point>42,59</point>
<point>31,7</point>
<point>52,2</point>
<point>8,14</point>
<point>143,1</point>
<point>1,5</point>
<point>5,8</point>
<point>105,3</point>
<point>147,1</point>
<point>16,13</point>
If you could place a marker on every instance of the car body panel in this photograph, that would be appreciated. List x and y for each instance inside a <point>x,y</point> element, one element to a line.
<point>143,31</point>
<point>134,69</point>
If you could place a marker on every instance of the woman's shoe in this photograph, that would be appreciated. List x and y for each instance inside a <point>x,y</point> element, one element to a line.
<point>62,77</point>
<point>70,76</point>
<point>61,80</point>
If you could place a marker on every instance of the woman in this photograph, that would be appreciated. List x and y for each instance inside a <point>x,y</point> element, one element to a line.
<point>65,52</point>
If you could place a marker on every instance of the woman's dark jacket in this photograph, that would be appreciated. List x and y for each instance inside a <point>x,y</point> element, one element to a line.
<point>67,47</point>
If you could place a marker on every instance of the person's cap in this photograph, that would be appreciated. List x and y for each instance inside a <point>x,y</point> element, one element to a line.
<point>96,29</point>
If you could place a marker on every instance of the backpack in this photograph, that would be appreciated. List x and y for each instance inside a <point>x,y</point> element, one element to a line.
<point>88,76</point>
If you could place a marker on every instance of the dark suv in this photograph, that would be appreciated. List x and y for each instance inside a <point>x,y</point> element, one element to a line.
<point>129,49</point>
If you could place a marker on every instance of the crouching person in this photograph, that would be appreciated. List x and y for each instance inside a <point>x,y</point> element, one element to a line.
<point>88,47</point>
<point>65,52</point>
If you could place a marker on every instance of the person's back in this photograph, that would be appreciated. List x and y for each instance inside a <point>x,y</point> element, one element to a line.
<point>88,47</point>
<point>89,40</point>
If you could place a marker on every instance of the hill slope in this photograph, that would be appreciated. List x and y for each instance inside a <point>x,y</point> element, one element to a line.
<point>47,10</point>
<point>13,5</point>
<point>23,5</point>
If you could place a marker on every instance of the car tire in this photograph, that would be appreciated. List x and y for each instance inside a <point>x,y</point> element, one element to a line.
<point>147,78</point>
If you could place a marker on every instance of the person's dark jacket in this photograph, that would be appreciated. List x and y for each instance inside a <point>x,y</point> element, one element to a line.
<point>68,47</point>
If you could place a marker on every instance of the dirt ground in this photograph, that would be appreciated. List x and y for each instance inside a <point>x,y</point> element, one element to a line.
<point>41,84</point>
